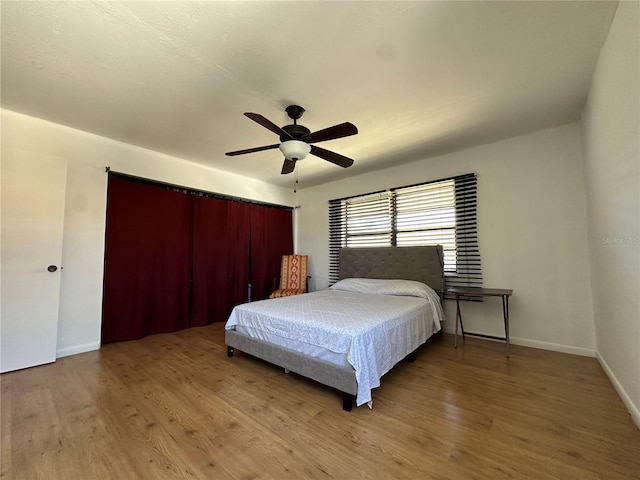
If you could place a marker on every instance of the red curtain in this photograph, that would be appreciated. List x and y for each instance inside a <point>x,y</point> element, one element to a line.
<point>147,260</point>
<point>220,258</point>
<point>271,237</point>
<point>174,260</point>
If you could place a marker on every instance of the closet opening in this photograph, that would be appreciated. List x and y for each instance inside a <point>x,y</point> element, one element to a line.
<point>177,257</point>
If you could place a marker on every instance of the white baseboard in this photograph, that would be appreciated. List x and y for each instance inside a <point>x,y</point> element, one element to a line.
<point>555,347</point>
<point>87,347</point>
<point>634,411</point>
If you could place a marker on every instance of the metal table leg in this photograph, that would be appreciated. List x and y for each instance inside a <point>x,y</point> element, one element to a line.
<point>455,338</point>
<point>458,319</point>
<point>505,313</point>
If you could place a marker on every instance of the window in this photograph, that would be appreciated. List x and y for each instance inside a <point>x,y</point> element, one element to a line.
<point>442,212</point>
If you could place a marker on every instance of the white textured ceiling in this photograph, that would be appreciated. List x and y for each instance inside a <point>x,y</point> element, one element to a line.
<point>417,78</point>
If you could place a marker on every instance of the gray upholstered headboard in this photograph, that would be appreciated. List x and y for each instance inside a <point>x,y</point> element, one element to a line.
<point>424,264</point>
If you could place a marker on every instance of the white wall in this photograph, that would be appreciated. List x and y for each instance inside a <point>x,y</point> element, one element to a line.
<point>87,156</point>
<point>532,233</point>
<point>611,133</point>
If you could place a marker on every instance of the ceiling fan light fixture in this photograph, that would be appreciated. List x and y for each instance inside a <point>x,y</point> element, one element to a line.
<point>295,149</point>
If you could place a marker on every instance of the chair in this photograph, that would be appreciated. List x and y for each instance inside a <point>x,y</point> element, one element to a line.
<point>293,276</point>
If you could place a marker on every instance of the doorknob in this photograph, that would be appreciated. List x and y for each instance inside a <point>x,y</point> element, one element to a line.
<point>52,268</point>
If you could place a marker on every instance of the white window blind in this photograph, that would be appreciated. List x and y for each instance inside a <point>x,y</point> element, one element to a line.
<point>442,212</point>
<point>368,221</point>
<point>426,215</point>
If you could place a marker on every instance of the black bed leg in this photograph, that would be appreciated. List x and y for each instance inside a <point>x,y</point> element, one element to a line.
<point>347,401</point>
<point>411,357</point>
<point>230,351</point>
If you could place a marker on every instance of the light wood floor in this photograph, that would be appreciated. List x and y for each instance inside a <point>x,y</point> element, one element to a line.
<point>175,407</point>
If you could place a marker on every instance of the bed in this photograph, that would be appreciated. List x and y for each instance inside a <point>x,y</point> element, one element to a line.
<point>384,307</point>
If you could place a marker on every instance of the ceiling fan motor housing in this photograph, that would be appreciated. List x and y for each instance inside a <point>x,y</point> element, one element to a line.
<point>296,131</point>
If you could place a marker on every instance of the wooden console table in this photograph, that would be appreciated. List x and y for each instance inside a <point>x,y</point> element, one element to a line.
<point>482,292</point>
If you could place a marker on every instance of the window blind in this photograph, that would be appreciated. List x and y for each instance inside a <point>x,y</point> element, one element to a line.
<point>468,264</point>
<point>441,212</point>
<point>425,215</point>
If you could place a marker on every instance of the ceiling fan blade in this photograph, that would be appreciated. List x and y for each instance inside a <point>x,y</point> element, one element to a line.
<point>251,150</point>
<point>332,157</point>
<point>337,131</point>
<point>266,123</point>
<point>288,166</point>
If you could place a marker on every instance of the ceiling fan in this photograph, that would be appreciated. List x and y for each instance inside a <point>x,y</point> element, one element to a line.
<point>295,140</point>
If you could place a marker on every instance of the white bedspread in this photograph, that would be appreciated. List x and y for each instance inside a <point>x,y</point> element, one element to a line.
<point>374,331</point>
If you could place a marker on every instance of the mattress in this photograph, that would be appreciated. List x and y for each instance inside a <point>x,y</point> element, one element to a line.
<point>371,332</point>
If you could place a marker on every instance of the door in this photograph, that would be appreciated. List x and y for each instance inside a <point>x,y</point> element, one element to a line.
<point>32,216</point>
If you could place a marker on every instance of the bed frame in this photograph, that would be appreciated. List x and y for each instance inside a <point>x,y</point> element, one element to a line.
<point>424,264</point>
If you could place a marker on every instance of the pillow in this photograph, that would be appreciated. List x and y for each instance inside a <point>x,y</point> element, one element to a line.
<point>407,288</point>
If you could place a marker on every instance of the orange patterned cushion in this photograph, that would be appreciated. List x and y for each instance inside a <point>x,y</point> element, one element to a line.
<point>293,273</point>
<point>293,276</point>
<point>287,292</point>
